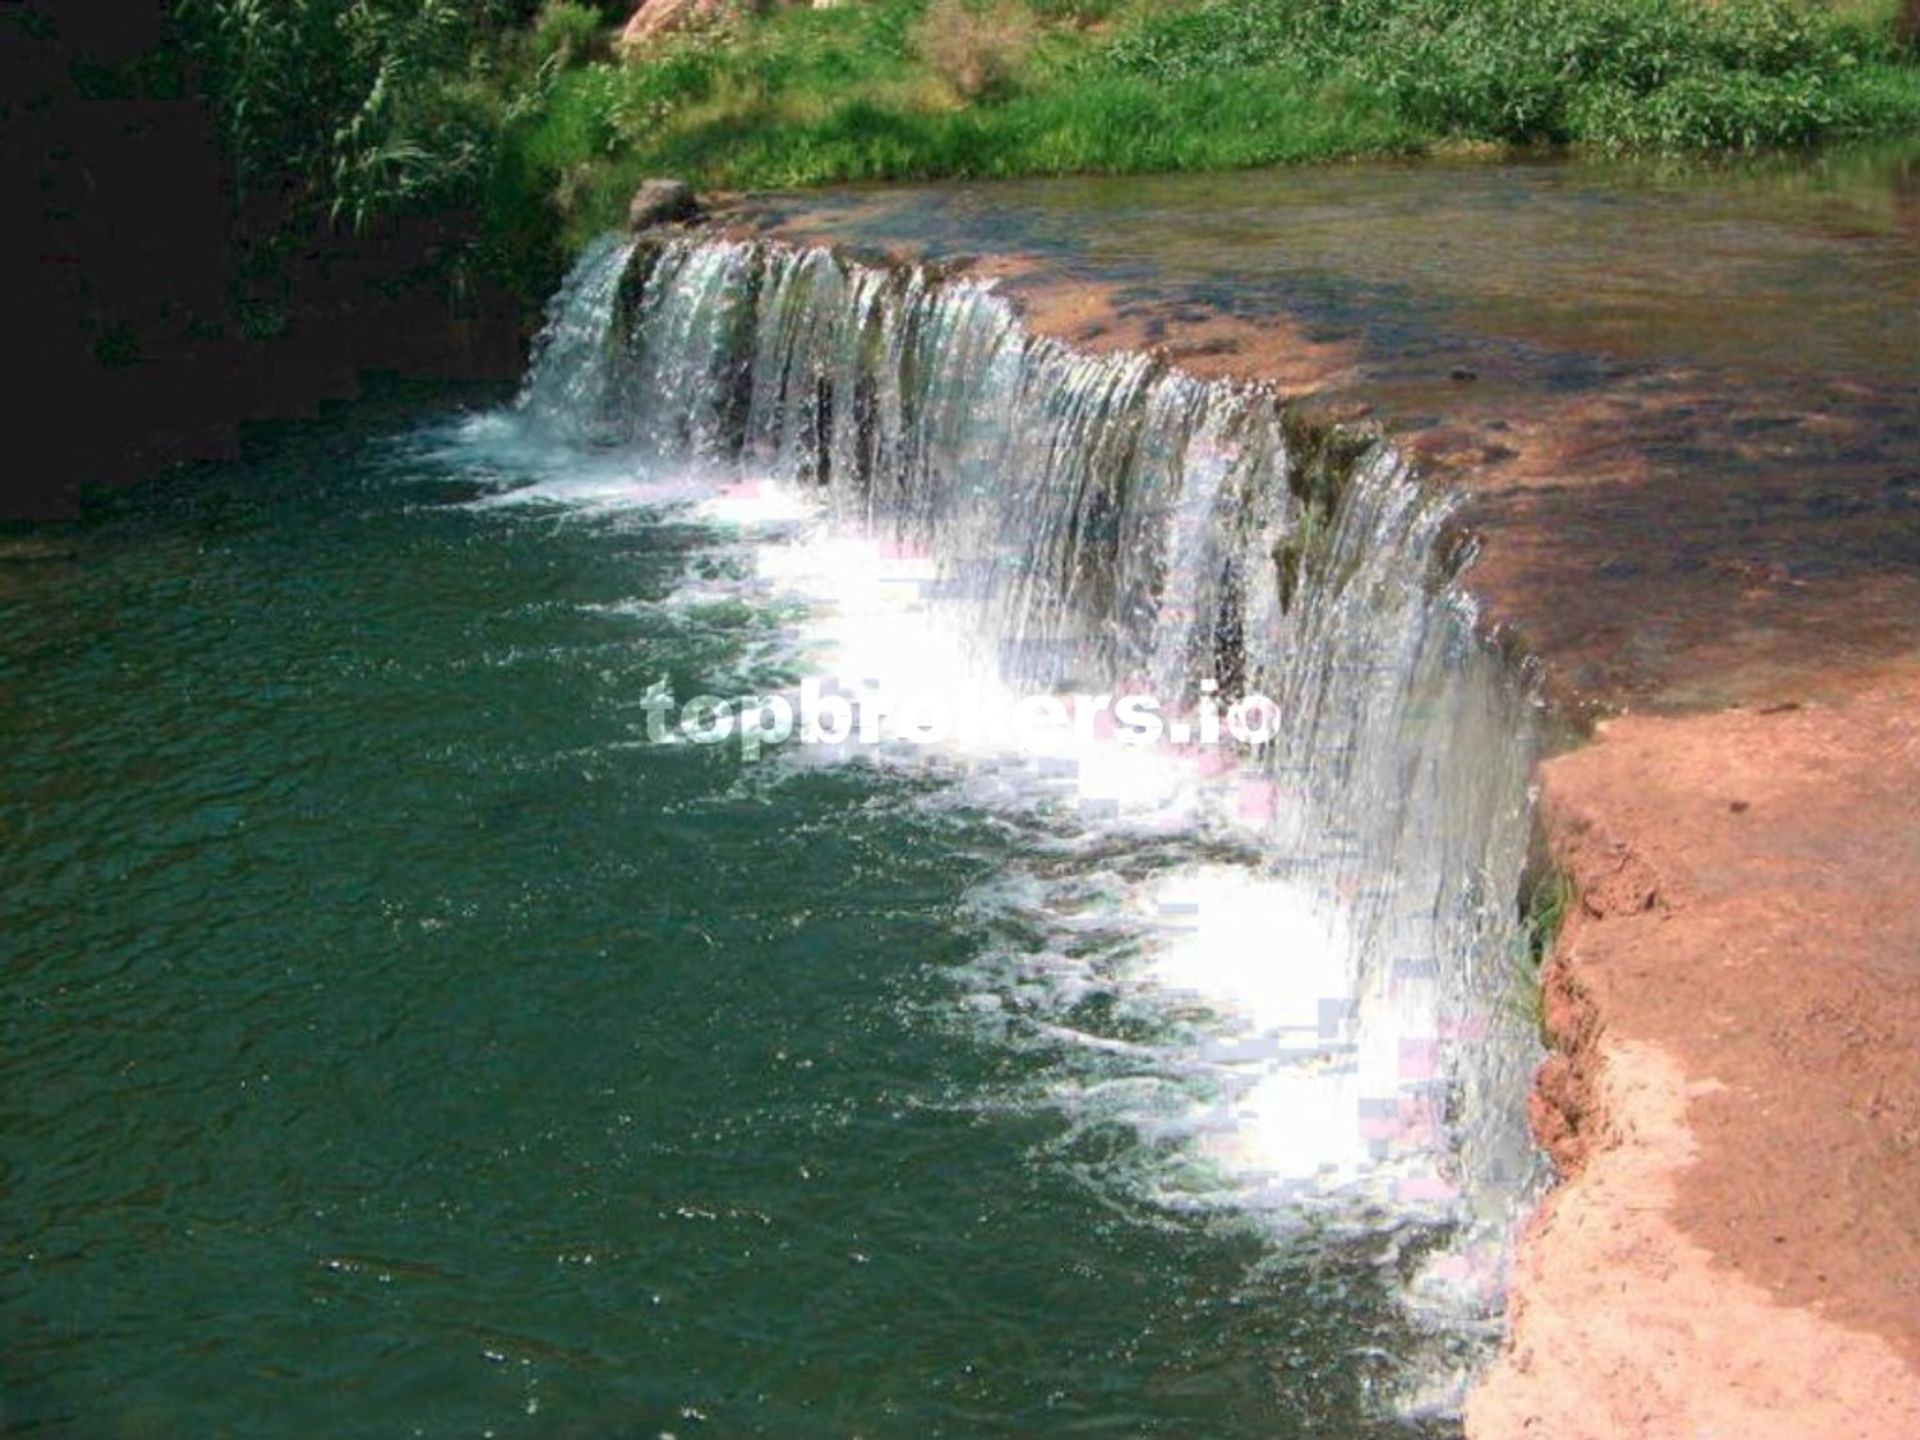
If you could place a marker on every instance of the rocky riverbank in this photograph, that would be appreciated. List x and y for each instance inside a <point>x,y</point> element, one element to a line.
<point>1734,1104</point>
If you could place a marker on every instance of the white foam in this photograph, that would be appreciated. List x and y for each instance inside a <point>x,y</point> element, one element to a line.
<point>1300,1098</point>
<point>598,488</point>
<point>1310,1093</point>
<point>882,625</point>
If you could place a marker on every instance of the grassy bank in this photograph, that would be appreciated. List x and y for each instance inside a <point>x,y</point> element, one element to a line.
<point>896,89</point>
<point>495,128</point>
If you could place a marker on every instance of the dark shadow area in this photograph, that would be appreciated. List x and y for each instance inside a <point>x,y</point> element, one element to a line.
<point>153,326</point>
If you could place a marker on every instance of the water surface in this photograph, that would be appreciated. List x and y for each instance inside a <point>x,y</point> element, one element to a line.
<point>394,1045</point>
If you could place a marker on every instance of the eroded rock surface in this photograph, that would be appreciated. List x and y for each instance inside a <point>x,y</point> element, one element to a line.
<point>1736,1101</point>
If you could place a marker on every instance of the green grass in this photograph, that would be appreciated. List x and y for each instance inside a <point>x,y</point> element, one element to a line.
<point>802,97</point>
<point>1543,914</point>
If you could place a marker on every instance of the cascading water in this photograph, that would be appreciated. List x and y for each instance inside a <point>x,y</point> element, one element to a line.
<point>959,504</point>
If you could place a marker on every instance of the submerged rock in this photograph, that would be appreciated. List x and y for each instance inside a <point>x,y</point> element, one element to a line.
<point>662,202</point>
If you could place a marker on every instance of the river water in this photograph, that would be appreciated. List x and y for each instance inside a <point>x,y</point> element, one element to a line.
<point>396,1044</point>
<point>403,1037</point>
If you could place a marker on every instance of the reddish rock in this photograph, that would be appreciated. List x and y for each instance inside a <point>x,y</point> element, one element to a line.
<point>1734,1099</point>
<point>657,20</point>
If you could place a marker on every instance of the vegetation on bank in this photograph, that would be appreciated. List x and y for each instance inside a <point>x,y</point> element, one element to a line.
<point>517,116</point>
<point>895,89</point>
<point>1546,897</point>
<point>353,115</point>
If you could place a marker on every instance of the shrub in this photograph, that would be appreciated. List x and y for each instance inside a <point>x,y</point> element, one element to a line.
<point>978,49</point>
<point>648,93</point>
<point>1084,12</point>
<point>358,109</point>
<point>1668,73</point>
<point>566,33</point>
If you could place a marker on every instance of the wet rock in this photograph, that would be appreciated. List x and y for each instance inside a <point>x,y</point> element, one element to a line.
<point>662,202</point>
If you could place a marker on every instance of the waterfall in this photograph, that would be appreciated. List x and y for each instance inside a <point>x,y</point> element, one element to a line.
<point>1112,524</point>
<point>566,384</point>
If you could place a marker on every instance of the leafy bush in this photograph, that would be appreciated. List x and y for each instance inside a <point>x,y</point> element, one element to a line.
<point>1077,12</point>
<point>356,108</point>
<point>647,96</point>
<point>1668,73</point>
<point>976,48</point>
<point>566,33</point>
